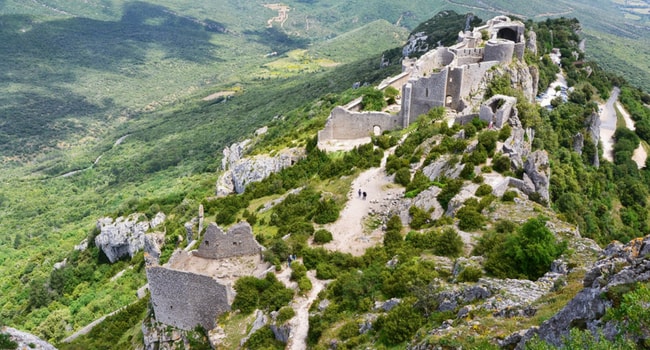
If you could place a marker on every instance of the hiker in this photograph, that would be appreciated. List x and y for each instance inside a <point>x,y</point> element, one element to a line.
<point>359,192</point>
<point>364,195</point>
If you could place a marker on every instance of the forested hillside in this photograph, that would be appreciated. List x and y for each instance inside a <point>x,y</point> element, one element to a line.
<point>105,112</point>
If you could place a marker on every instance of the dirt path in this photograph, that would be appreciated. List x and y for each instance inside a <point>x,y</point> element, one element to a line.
<point>640,155</point>
<point>608,125</point>
<point>348,231</point>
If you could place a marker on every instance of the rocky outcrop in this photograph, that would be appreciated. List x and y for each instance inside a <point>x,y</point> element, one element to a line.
<point>153,243</point>
<point>620,265</point>
<point>25,340</point>
<point>531,42</point>
<point>522,77</point>
<point>592,125</point>
<point>537,173</point>
<point>124,236</point>
<point>239,172</point>
<point>442,167</point>
<point>425,200</point>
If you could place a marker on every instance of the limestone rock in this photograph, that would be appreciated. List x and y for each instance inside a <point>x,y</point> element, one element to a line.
<point>242,171</point>
<point>531,42</point>
<point>442,167</point>
<point>619,265</point>
<point>153,243</point>
<point>82,246</point>
<point>517,147</point>
<point>465,193</point>
<point>578,143</point>
<point>232,154</point>
<point>124,236</point>
<point>538,170</point>
<point>26,340</point>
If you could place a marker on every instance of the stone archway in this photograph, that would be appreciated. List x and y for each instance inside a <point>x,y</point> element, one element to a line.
<point>508,33</point>
<point>376,130</point>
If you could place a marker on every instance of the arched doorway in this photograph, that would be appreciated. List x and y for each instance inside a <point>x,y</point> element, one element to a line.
<point>376,130</point>
<point>508,34</point>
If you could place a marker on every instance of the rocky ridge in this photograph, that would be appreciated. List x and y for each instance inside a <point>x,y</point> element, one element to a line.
<point>619,265</point>
<point>124,235</point>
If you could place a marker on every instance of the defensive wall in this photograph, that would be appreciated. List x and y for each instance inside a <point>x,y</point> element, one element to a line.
<point>344,124</point>
<point>448,77</point>
<point>194,288</point>
<point>185,299</point>
<point>238,241</point>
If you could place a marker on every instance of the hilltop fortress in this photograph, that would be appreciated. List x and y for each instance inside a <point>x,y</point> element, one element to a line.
<point>451,77</point>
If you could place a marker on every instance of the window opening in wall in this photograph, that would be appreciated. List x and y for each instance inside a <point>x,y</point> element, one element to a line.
<point>376,130</point>
<point>207,243</point>
<point>426,92</point>
<point>448,100</point>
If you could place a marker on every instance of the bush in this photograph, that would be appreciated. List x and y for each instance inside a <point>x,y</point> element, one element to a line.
<point>470,219</point>
<point>265,294</point>
<point>348,330</point>
<point>403,176</point>
<point>449,243</point>
<point>448,192</point>
<point>285,314</point>
<point>483,190</point>
<point>400,324</point>
<point>501,163</point>
<point>264,338</point>
<point>419,218</point>
<point>470,274</point>
<point>509,196</point>
<point>327,212</point>
<point>322,236</point>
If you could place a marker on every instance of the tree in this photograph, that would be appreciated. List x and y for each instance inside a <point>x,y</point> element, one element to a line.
<point>373,100</point>
<point>449,243</point>
<point>401,323</point>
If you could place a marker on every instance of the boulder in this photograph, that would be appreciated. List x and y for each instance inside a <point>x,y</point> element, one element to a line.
<point>124,235</point>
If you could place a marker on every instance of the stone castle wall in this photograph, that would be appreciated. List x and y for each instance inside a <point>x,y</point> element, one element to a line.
<point>185,300</point>
<point>239,241</point>
<point>348,125</point>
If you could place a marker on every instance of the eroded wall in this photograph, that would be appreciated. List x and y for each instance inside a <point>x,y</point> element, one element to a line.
<point>185,300</point>
<point>349,125</point>
<point>239,241</point>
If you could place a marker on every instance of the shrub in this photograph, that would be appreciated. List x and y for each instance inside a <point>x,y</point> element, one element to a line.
<point>470,219</point>
<point>401,323</point>
<point>509,196</point>
<point>348,330</point>
<point>325,271</point>
<point>505,132</point>
<point>470,274</point>
<point>468,172</point>
<point>403,176</point>
<point>448,243</point>
<point>483,190</point>
<point>448,192</point>
<point>419,217</point>
<point>298,271</point>
<point>322,236</point>
<point>327,212</point>
<point>501,163</point>
<point>304,284</point>
<point>285,314</point>
<point>264,338</point>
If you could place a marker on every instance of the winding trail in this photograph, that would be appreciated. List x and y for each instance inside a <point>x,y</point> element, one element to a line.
<point>70,173</point>
<point>608,124</point>
<point>300,322</point>
<point>348,231</point>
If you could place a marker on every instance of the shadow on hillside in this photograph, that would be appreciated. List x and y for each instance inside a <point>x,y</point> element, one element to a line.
<point>277,40</point>
<point>39,60</point>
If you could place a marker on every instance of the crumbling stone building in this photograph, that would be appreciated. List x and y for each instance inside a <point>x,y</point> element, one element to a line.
<point>195,287</point>
<point>443,77</point>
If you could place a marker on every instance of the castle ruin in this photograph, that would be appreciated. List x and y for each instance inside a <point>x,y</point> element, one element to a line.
<point>195,287</point>
<point>447,77</point>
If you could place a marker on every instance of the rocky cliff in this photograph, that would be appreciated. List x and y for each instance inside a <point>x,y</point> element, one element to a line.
<point>124,235</point>
<point>25,340</point>
<point>240,171</point>
<point>620,267</point>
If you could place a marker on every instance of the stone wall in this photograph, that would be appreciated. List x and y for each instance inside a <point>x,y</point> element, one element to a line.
<point>498,110</point>
<point>348,125</point>
<point>239,241</point>
<point>425,93</point>
<point>499,50</point>
<point>185,300</point>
